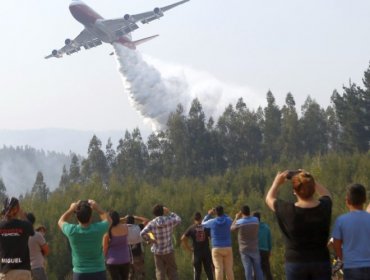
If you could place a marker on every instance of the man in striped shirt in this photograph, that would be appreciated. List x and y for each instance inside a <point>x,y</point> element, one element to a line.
<point>161,228</point>
<point>247,227</point>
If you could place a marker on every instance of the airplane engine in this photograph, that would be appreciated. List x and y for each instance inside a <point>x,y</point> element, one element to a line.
<point>54,52</point>
<point>68,42</point>
<point>158,12</point>
<point>127,17</point>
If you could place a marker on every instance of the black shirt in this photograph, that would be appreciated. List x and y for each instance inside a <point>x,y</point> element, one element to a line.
<point>200,236</point>
<point>14,253</point>
<point>305,230</point>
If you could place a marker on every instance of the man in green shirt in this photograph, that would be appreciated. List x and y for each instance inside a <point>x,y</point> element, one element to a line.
<point>85,239</point>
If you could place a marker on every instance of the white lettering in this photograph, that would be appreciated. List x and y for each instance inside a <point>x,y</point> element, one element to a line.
<point>9,260</point>
<point>10,234</point>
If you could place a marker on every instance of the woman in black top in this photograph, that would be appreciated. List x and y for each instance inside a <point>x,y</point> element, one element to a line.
<point>305,226</point>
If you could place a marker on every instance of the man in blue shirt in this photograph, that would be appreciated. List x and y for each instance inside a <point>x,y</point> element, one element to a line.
<point>222,253</point>
<point>351,235</point>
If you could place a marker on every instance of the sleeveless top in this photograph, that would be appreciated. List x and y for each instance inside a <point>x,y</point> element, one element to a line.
<point>118,250</point>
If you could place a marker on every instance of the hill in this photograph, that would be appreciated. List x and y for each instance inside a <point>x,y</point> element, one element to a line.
<point>19,167</point>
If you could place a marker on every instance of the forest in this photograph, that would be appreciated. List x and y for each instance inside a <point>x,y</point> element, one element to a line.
<point>197,163</point>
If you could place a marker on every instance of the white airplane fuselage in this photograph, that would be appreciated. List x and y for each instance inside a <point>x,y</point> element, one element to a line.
<point>98,30</point>
<point>92,21</point>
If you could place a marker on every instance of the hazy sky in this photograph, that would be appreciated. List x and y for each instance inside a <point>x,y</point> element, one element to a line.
<point>302,47</point>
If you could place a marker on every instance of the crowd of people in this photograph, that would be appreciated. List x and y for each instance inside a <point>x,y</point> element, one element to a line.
<point>115,244</point>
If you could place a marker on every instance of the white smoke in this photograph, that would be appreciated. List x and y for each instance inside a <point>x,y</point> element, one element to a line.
<point>156,88</point>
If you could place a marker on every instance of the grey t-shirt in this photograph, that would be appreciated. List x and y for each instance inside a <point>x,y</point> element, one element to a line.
<point>34,244</point>
<point>247,234</point>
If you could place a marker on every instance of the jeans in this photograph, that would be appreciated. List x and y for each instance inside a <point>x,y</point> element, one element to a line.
<point>39,274</point>
<point>252,262</point>
<point>308,271</point>
<point>223,262</point>
<point>360,273</point>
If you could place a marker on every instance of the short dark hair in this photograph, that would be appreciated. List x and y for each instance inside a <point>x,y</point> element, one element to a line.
<point>197,216</point>
<point>158,210</point>
<point>31,218</point>
<point>257,215</point>
<point>83,212</point>
<point>130,219</point>
<point>245,210</point>
<point>219,210</point>
<point>356,194</point>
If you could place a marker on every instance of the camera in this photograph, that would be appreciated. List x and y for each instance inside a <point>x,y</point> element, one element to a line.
<point>292,173</point>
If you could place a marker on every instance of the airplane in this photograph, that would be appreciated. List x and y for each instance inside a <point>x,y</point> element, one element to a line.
<point>98,30</point>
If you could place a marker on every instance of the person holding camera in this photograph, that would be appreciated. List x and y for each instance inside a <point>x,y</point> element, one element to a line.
<point>304,224</point>
<point>222,251</point>
<point>85,239</point>
<point>161,229</point>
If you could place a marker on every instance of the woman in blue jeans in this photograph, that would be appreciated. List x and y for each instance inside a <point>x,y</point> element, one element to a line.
<point>304,224</point>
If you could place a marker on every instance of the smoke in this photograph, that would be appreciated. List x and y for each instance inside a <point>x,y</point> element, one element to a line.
<point>156,88</point>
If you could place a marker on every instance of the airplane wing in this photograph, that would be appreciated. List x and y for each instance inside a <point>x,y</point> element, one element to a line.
<point>127,24</point>
<point>84,39</point>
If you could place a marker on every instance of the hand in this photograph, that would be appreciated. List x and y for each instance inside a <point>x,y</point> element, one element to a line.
<point>238,215</point>
<point>93,204</point>
<point>73,206</point>
<point>211,211</point>
<point>280,178</point>
<point>337,266</point>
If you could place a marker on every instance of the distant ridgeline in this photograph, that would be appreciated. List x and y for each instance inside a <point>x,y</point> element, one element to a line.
<point>19,168</point>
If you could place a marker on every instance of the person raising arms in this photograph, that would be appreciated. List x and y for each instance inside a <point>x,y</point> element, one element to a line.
<point>304,224</point>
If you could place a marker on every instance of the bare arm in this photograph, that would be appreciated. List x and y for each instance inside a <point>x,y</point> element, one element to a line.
<point>103,215</point>
<point>67,215</point>
<point>321,190</point>
<point>272,193</point>
<point>185,243</point>
<point>237,217</point>
<point>105,244</point>
<point>143,220</point>
<point>337,244</point>
<point>45,249</point>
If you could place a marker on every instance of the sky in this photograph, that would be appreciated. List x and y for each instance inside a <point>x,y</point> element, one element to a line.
<point>249,47</point>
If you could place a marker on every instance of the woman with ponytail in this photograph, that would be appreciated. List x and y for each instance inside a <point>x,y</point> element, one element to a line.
<point>116,249</point>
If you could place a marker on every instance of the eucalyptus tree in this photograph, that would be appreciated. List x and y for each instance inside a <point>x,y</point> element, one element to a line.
<point>132,156</point>
<point>96,162</point>
<point>178,139</point>
<point>290,138</point>
<point>313,128</point>
<point>271,129</point>
<point>40,191</point>
<point>197,140</point>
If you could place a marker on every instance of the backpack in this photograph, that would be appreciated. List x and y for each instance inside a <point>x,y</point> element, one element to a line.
<point>134,236</point>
